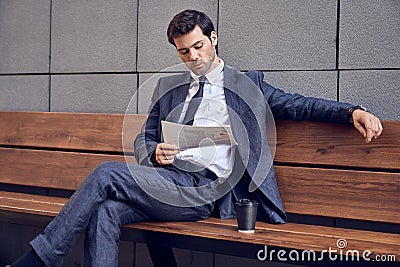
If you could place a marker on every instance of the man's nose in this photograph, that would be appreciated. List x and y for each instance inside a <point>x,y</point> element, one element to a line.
<point>193,56</point>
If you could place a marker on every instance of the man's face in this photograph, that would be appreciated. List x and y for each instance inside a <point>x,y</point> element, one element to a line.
<point>197,51</point>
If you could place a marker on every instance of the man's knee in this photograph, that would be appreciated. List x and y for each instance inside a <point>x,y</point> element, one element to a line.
<point>101,173</point>
<point>107,168</point>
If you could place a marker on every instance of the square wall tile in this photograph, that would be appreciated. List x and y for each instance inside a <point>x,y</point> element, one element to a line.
<point>24,36</point>
<point>155,52</point>
<point>377,90</point>
<point>99,93</point>
<point>369,34</point>
<point>93,36</point>
<point>320,84</point>
<point>278,35</point>
<point>24,92</point>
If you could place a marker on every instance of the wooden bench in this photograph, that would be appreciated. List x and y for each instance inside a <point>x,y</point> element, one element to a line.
<point>327,175</point>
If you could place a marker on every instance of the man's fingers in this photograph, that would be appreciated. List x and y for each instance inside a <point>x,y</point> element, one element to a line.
<point>370,134</point>
<point>165,153</point>
<point>361,129</point>
<point>374,129</point>
<point>380,129</point>
<point>367,124</point>
<point>165,146</point>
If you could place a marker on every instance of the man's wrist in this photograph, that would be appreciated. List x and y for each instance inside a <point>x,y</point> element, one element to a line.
<point>352,109</point>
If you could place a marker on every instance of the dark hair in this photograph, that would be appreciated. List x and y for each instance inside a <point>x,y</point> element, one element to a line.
<point>185,22</point>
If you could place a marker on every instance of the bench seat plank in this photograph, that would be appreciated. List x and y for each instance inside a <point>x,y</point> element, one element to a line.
<point>290,235</point>
<point>31,204</point>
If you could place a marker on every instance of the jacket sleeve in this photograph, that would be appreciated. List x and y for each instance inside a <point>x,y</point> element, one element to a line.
<point>297,107</point>
<point>146,142</point>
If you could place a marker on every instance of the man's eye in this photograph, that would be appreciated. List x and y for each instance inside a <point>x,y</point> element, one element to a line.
<point>184,52</point>
<point>199,46</point>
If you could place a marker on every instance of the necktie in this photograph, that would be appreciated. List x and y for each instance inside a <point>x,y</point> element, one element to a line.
<point>194,103</point>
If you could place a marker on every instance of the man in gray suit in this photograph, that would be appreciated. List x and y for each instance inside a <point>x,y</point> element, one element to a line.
<point>118,193</point>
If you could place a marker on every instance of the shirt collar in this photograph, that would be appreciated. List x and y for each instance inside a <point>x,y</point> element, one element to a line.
<point>213,76</point>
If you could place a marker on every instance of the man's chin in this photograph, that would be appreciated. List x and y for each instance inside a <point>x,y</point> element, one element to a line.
<point>197,70</point>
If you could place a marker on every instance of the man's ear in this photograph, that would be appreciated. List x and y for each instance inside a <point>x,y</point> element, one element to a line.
<point>214,38</point>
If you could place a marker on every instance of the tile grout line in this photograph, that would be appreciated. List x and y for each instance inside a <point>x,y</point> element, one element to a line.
<point>337,50</point>
<point>50,41</point>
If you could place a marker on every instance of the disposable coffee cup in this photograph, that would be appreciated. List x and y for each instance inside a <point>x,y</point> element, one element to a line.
<point>246,210</point>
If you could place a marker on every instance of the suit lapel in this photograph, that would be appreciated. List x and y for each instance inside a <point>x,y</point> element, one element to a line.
<point>233,101</point>
<point>178,97</point>
<point>230,90</point>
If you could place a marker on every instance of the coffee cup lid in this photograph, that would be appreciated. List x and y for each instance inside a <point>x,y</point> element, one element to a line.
<point>246,202</point>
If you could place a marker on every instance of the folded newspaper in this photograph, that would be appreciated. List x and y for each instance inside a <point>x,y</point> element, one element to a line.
<point>188,136</point>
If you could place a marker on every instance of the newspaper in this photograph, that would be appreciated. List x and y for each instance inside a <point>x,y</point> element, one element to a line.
<point>188,136</point>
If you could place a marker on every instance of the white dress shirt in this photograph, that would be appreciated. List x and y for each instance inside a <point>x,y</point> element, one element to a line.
<point>212,111</point>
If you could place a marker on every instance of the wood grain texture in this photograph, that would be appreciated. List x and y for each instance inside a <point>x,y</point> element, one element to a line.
<point>361,195</point>
<point>49,169</point>
<point>322,169</point>
<point>298,142</point>
<point>309,191</point>
<point>289,235</point>
<point>31,204</point>
<point>337,145</point>
<point>80,131</point>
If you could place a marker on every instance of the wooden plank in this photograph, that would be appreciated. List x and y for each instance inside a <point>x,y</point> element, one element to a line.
<point>298,142</point>
<point>50,169</point>
<point>290,235</point>
<point>337,145</point>
<point>80,131</point>
<point>347,194</point>
<point>362,195</point>
<point>31,204</point>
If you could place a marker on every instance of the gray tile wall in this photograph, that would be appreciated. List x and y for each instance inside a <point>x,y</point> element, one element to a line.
<point>91,56</point>
<point>97,53</point>
<point>284,35</point>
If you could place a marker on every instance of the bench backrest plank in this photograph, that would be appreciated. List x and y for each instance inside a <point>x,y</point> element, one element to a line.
<point>74,131</point>
<point>57,150</point>
<point>49,169</point>
<point>298,142</point>
<point>337,145</point>
<point>361,195</point>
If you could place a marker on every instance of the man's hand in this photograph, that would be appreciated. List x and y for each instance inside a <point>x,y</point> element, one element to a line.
<point>367,124</point>
<point>165,153</point>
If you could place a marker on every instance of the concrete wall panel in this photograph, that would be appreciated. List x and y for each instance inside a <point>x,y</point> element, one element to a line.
<point>101,93</point>
<point>25,92</point>
<point>378,91</point>
<point>94,36</point>
<point>155,52</point>
<point>321,84</point>
<point>369,34</point>
<point>24,36</point>
<point>282,35</point>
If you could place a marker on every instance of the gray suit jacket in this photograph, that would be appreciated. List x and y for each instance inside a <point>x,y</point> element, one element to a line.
<point>246,96</point>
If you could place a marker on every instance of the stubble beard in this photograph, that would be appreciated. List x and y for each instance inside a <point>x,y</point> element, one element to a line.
<point>207,65</point>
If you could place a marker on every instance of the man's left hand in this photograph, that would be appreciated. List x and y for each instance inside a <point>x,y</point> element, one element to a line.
<point>367,124</point>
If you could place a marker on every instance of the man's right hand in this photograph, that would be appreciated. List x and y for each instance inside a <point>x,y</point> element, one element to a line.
<point>165,153</point>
